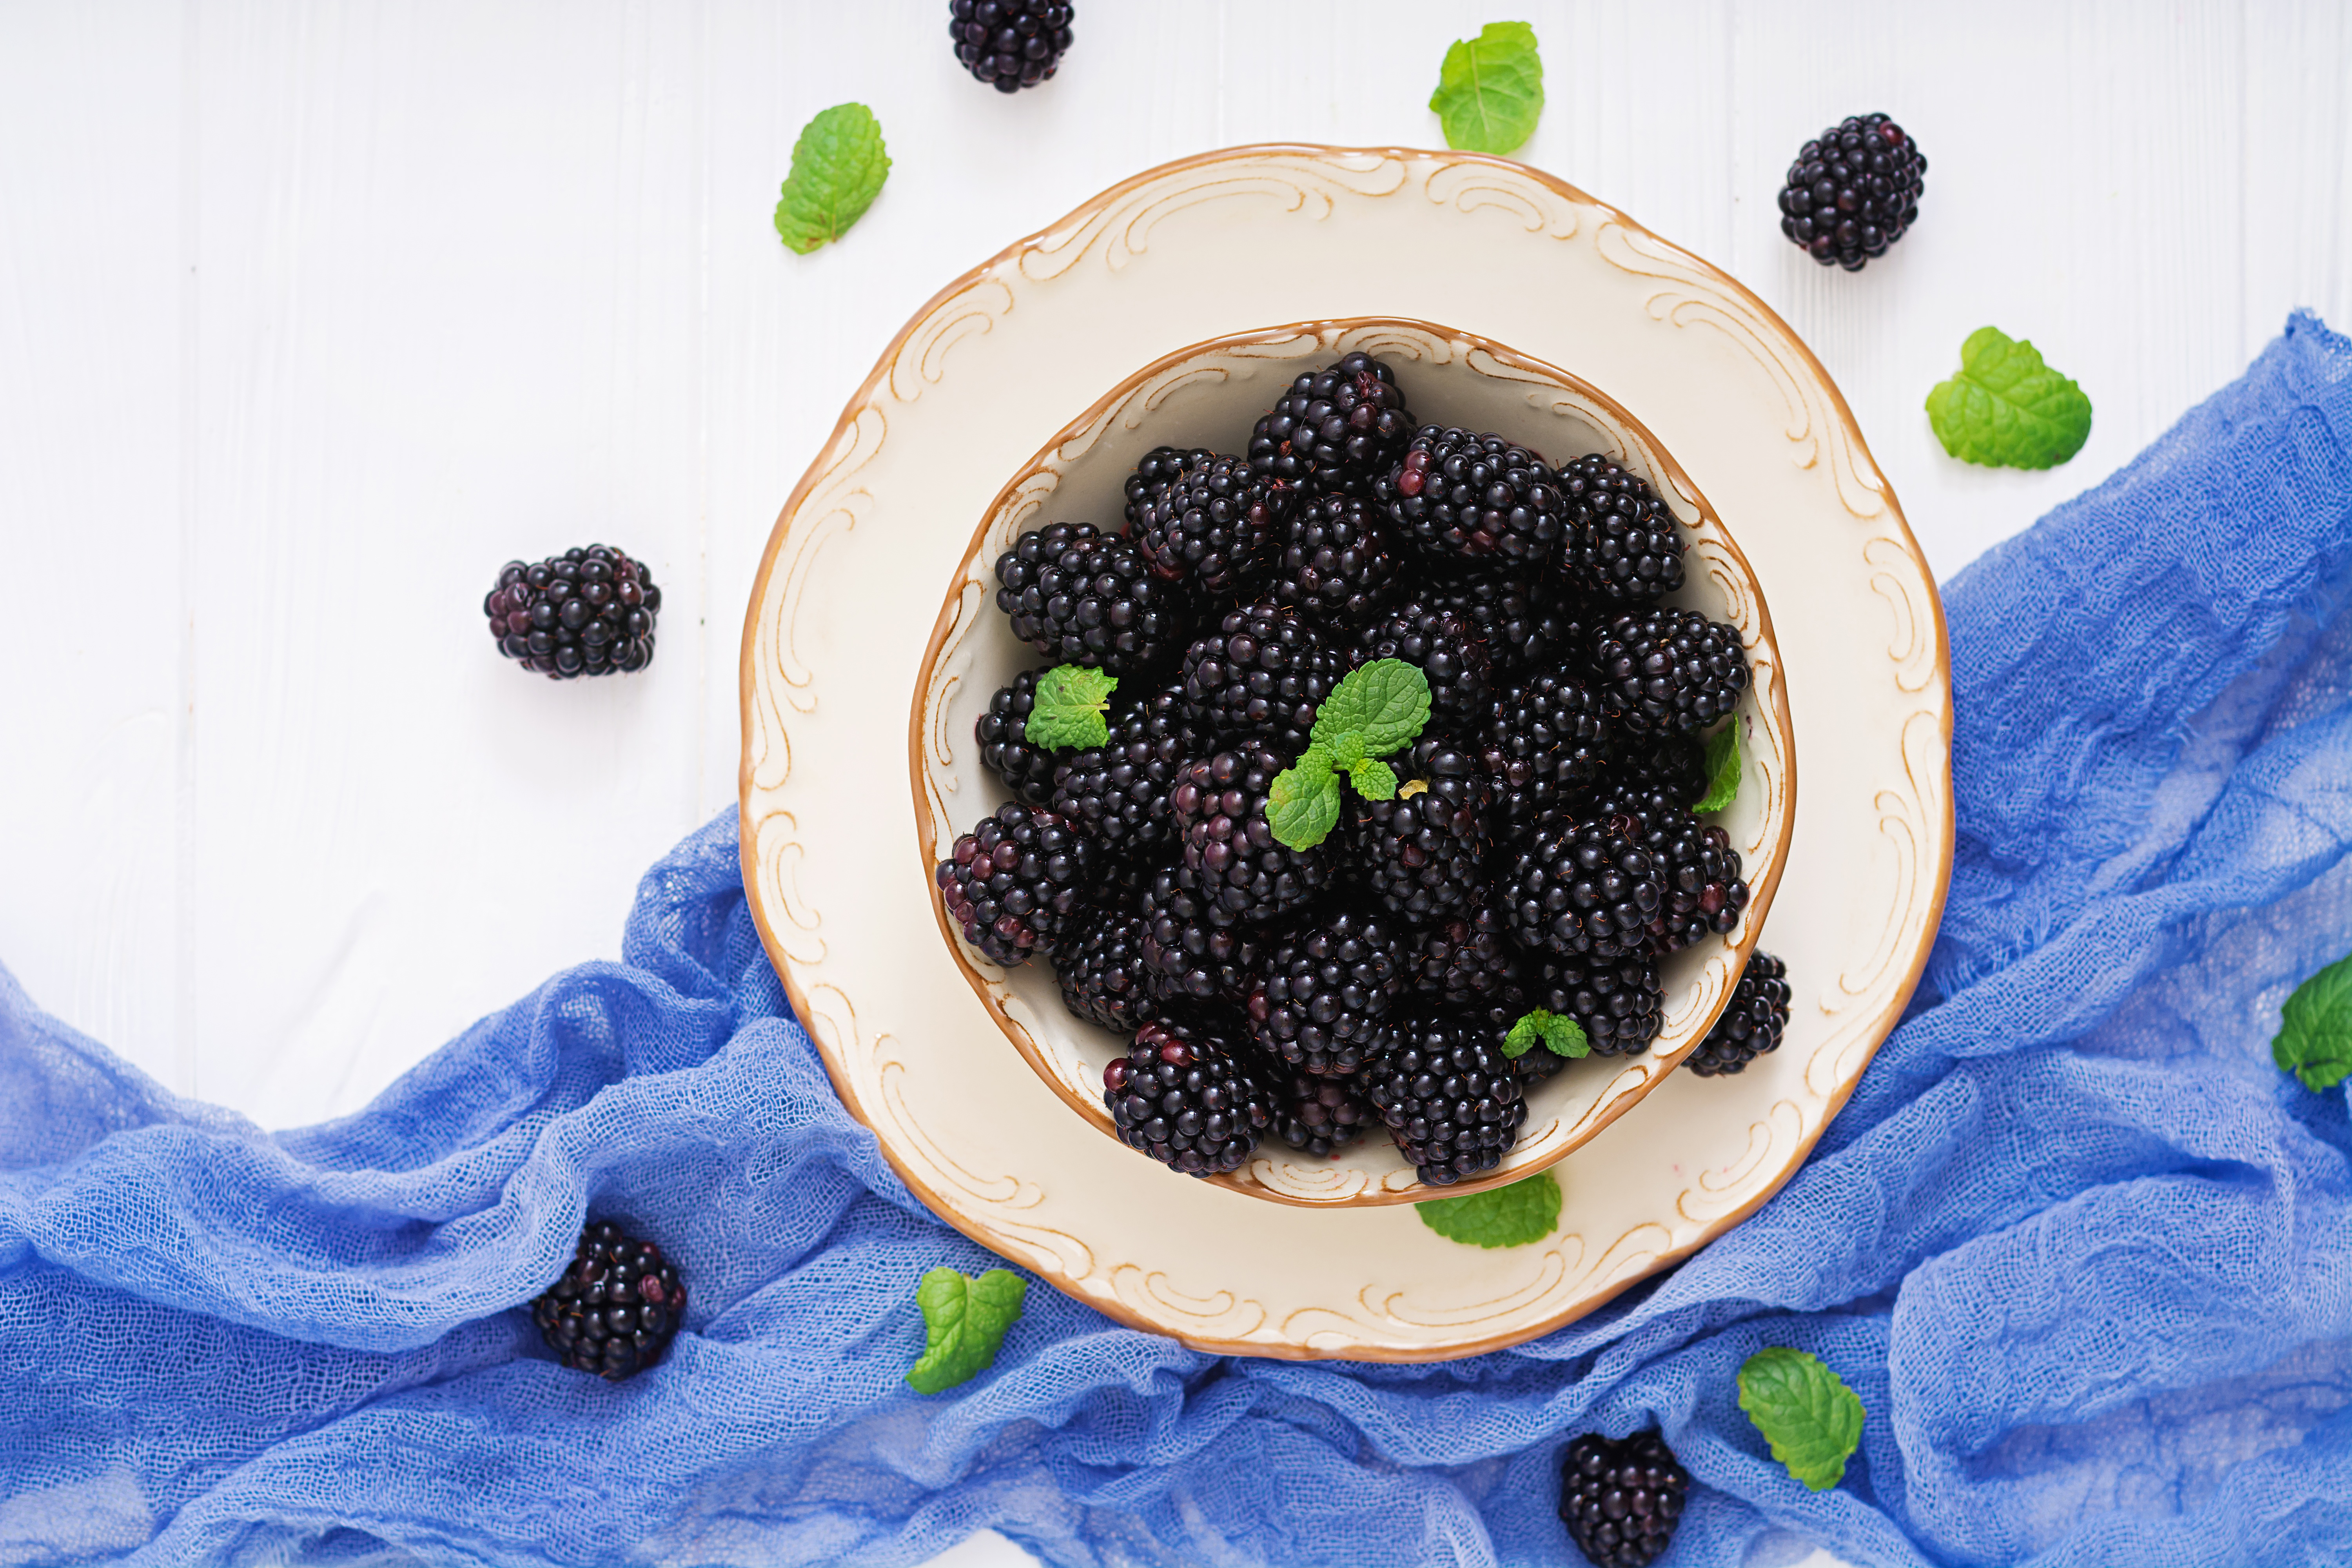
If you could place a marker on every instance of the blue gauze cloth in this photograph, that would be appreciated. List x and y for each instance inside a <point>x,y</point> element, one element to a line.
<point>2083,1252</point>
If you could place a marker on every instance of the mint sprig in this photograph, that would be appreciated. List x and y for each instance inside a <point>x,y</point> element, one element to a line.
<point>1525,1212</point>
<point>1490,88</point>
<point>1557,1032</point>
<point>2315,1037</point>
<point>1722,768</point>
<point>964,1321</point>
<point>1806,1412</point>
<point>1376,709</point>
<point>1071,708</point>
<point>838,167</point>
<point>2005,408</point>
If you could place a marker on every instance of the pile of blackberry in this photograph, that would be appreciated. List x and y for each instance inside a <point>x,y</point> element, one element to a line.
<point>1541,851</point>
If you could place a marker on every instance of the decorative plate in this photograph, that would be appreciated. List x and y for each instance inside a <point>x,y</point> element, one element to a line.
<point>1208,395</point>
<point>988,371</point>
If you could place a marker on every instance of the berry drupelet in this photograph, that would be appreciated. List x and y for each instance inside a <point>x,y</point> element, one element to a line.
<point>1323,994</point>
<point>1472,499</point>
<point>1117,793</point>
<point>1582,887</point>
<point>589,611</point>
<point>616,1306</point>
<point>1667,671</point>
<point>1620,1500</point>
<point>1186,1096</point>
<point>1082,596</point>
<point>1264,672</point>
<point>1448,1094</point>
<point>1016,883</point>
<point>1214,524</point>
<point>1544,739</point>
<point>1624,546</point>
<point>1234,863</point>
<point>1338,430</point>
<point>1422,855</point>
<point>1005,749</point>
<point>1321,1116</point>
<point>1751,1023</point>
<point>1104,979</point>
<point>1447,650</point>
<point>1336,563</point>
<point>1853,191</point>
<point>1010,43</point>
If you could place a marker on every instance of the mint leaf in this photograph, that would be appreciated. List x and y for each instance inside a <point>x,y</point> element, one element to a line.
<point>838,167</point>
<point>1559,1033</point>
<point>1073,700</point>
<point>1490,88</point>
<point>2315,1037</point>
<point>2006,408</point>
<point>1303,804</point>
<point>1515,1216</point>
<point>1374,780</point>
<point>1806,1412</point>
<point>1722,768</point>
<point>1385,703</point>
<point>963,1324</point>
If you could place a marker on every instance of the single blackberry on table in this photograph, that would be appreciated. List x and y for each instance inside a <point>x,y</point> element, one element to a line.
<point>616,1306</point>
<point>1016,883</point>
<point>1624,546</point>
<point>1752,1021</point>
<point>1448,1094</point>
<point>1214,524</point>
<point>1619,1003</point>
<point>1422,854</point>
<point>1620,1500</point>
<point>1186,1095</point>
<point>1005,749</point>
<point>589,611</point>
<point>1472,499</point>
<point>1321,1116</point>
<point>1447,649</point>
<point>1469,962</point>
<point>1194,955</point>
<point>1530,619</point>
<point>1336,563</point>
<point>1667,671</point>
<point>1319,1002</point>
<point>1103,975</point>
<point>1545,738</point>
<point>1010,43</point>
<point>1237,868</point>
<point>1582,887</point>
<point>1263,672</point>
<point>1079,595</point>
<point>1705,893</point>
<point>1117,793</point>
<point>1853,191</point>
<point>1338,430</point>
<point>1160,468</point>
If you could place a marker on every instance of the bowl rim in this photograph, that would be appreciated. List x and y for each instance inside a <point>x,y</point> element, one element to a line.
<point>1772,704</point>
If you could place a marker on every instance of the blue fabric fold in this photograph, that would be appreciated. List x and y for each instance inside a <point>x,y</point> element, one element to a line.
<point>2083,1252</point>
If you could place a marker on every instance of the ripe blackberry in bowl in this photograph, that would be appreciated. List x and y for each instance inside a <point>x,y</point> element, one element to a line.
<point>1853,191</point>
<point>1082,596</point>
<point>1016,882</point>
<point>1005,749</point>
<point>1582,887</point>
<point>1422,854</point>
<point>1448,1094</point>
<point>1239,869</point>
<point>1617,1002</point>
<point>1160,468</point>
<point>1668,671</point>
<point>1544,740</point>
<point>1188,1095</point>
<point>1477,499</point>
<point>1214,524</point>
<point>1751,1023</point>
<point>1336,430</point>
<point>1624,547</point>
<point>1336,563</point>
<point>1469,962</point>
<point>1117,793</point>
<point>1263,672</point>
<point>589,611</point>
<point>1705,893</point>
<point>1321,1116</point>
<point>1104,978</point>
<point>616,1306</point>
<point>1531,621</point>
<point>1621,1499</point>
<point>1320,1004</point>
<point>1010,43</point>
<point>1447,649</point>
<point>1194,955</point>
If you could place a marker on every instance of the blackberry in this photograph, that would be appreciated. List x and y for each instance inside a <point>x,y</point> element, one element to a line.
<point>1617,1002</point>
<point>1103,976</point>
<point>1238,868</point>
<point>1005,749</point>
<point>1467,499</point>
<point>1528,619</point>
<point>1336,563</point>
<point>1010,43</point>
<point>1117,793</point>
<point>1213,523</point>
<point>1853,191</point>
<point>616,1306</point>
<point>1016,883</point>
<point>1319,1004</point>
<point>1448,1095</point>
<point>1582,887</point>
<point>1621,1500</point>
<point>1193,955</point>
<point>1704,891</point>
<point>1082,596</point>
<point>1158,469</point>
<point>1263,672</point>
<point>1469,962</point>
<point>1544,740</point>
<point>1321,1116</point>
<point>1624,546</point>
<point>1422,854</point>
<point>1673,763</point>
<point>589,611</point>
<point>1668,671</point>
<point>1184,1095</point>
<point>1338,430</point>
<point>1447,649</point>
<point>1752,1021</point>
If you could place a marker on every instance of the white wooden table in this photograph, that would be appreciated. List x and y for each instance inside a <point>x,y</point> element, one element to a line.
<point>312,312</point>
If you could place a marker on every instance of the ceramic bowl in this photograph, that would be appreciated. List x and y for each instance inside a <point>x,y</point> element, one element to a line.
<point>1209,394</point>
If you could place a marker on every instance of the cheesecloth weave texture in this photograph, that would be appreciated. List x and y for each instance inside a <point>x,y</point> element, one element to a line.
<point>2085,1254</point>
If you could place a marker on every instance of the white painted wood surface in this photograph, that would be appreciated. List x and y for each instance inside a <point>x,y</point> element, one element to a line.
<point>312,312</point>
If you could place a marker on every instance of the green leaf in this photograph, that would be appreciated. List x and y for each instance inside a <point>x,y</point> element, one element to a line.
<point>838,167</point>
<point>1303,804</point>
<point>2006,408</point>
<point>964,1322</point>
<point>1561,1034</point>
<point>1722,768</point>
<point>1526,1211</point>
<point>1806,1412</point>
<point>1385,703</point>
<point>2315,1037</point>
<point>1490,90</point>
<point>1373,779</point>
<point>1073,700</point>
